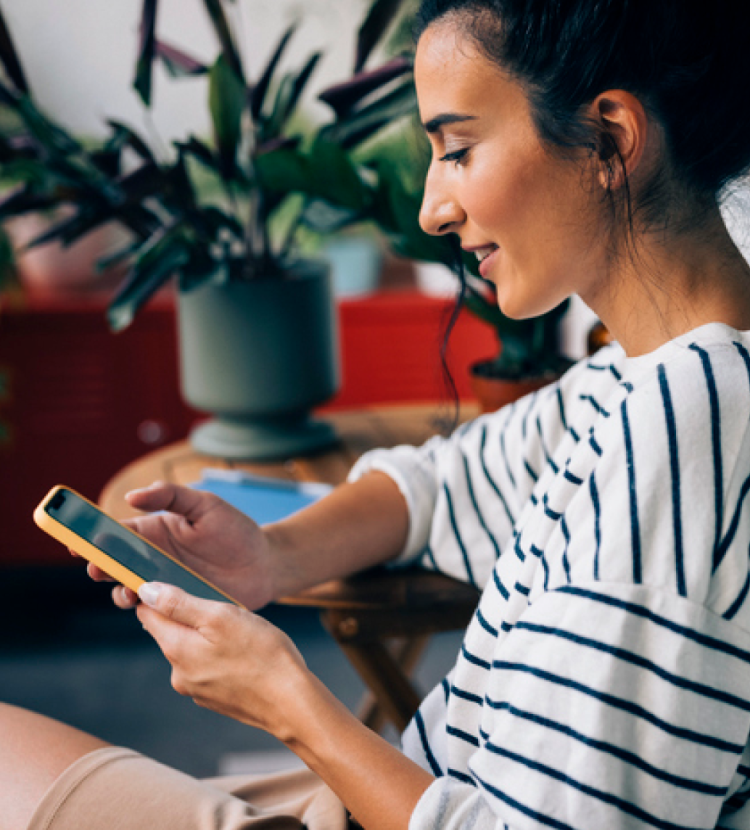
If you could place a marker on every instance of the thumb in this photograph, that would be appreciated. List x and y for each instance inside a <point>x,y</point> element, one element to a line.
<point>172,602</point>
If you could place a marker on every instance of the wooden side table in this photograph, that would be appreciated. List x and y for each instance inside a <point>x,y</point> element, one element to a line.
<point>382,620</point>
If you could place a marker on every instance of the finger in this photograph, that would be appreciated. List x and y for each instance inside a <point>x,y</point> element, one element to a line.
<point>124,598</point>
<point>97,574</point>
<point>170,497</point>
<point>177,605</point>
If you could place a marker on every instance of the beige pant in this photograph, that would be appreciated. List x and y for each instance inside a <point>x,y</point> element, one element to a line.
<point>118,789</point>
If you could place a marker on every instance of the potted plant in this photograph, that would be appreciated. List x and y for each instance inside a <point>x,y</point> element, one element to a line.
<point>230,248</point>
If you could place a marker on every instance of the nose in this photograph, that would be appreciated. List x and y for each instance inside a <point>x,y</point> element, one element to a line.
<point>440,213</point>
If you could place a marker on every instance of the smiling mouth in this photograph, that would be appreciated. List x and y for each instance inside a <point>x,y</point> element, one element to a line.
<point>483,255</point>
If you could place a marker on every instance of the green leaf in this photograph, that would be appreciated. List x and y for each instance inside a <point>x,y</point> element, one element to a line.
<point>360,124</point>
<point>258,94</point>
<point>124,136</point>
<point>158,261</point>
<point>284,170</point>
<point>9,59</point>
<point>53,138</point>
<point>146,51</point>
<point>379,17</point>
<point>227,99</point>
<point>223,32</point>
<point>335,176</point>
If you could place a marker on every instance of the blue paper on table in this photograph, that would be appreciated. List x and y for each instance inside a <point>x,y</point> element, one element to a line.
<point>264,499</point>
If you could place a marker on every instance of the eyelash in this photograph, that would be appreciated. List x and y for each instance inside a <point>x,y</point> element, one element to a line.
<point>457,156</point>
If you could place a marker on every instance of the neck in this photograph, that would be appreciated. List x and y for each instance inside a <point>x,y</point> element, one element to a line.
<point>672,283</point>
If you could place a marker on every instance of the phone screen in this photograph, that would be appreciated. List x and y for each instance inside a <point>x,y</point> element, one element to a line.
<point>125,547</point>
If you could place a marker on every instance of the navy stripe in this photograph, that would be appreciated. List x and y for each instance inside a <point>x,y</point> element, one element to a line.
<point>522,589</point>
<point>576,436</point>
<point>490,629</point>
<point>713,397</point>
<point>635,526</point>
<point>566,535</point>
<point>626,706</point>
<point>446,690</point>
<point>461,735</point>
<point>464,695</point>
<point>597,526</point>
<point>615,372</point>
<point>597,406</point>
<point>543,444</point>
<point>571,478</point>
<point>733,525</point>
<point>745,355</point>
<point>489,478</point>
<point>599,367</point>
<point>504,592</point>
<point>549,512</point>
<point>462,776</point>
<point>480,517</point>
<point>523,808</point>
<point>613,800</point>
<point>612,749</point>
<point>530,471</point>
<point>594,445</point>
<point>517,549</point>
<point>430,555</point>
<point>641,662</point>
<point>459,540</point>
<point>561,407</point>
<point>730,613</point>
<point>674,465</point>
<point>504,455</point>
<point>431,760</point>
<point>640,611</point>
<point>524,422</point>
<point>472,658</point>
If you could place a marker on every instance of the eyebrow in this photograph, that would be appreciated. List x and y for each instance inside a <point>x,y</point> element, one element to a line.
<point>435,124</point>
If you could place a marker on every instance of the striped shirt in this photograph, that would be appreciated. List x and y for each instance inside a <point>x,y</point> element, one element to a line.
<point>604,681</point>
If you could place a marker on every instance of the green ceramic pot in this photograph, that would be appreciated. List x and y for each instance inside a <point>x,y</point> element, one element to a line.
<point>258,356</point>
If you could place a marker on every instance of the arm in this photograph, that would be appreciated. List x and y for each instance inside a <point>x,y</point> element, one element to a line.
<point>239,665</point>
<point>359,525</point>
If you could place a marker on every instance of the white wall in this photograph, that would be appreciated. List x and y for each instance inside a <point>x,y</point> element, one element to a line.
<point>79,55</point>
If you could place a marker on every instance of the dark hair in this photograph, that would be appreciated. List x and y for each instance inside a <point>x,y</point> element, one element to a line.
<point>688,62</point>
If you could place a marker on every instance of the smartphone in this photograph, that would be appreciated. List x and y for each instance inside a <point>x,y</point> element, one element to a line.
<point>120,552</point>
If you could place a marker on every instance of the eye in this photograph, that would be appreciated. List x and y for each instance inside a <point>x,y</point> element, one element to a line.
<point>457,156</point>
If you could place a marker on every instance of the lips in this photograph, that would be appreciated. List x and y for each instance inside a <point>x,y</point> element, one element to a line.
<point>486,256</point>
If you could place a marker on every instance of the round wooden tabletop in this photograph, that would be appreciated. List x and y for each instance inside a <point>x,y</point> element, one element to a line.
<point>358,431</point>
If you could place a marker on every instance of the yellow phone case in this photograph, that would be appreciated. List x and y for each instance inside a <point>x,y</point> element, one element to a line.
<point>94,554</point>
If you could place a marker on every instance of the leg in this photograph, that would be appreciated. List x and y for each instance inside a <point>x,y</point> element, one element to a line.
<point>34,751</point>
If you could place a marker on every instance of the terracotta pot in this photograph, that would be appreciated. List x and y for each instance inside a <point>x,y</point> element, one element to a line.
<point>494,392</point>
<point>56,268</point>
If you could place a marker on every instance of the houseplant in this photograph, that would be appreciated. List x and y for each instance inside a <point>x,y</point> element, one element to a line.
<point>366,164</point>
<point>235,246</point>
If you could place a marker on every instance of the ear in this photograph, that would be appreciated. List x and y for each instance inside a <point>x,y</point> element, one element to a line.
<point>625,132</point>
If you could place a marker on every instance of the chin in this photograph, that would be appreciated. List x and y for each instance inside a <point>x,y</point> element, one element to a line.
<point>518,306</point>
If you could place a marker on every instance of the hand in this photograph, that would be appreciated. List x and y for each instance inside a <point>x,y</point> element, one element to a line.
<point>226,658</point>
<point>208,535</point>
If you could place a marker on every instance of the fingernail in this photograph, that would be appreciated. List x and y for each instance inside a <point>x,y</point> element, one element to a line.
<point>149,592</point>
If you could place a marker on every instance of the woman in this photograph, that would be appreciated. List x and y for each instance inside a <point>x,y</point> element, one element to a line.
<point>579,146</point>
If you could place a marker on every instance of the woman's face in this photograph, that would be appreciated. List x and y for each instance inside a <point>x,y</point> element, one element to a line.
<point>533,219</point>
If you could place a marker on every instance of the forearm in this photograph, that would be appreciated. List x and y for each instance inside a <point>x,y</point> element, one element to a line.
<point>359,525</point>
<point>379,785</point>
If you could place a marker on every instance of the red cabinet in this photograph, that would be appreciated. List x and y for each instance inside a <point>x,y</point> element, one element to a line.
<point>78,402</point>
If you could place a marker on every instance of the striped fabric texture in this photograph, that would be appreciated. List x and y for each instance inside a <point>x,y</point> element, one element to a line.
<point>604,681</point>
